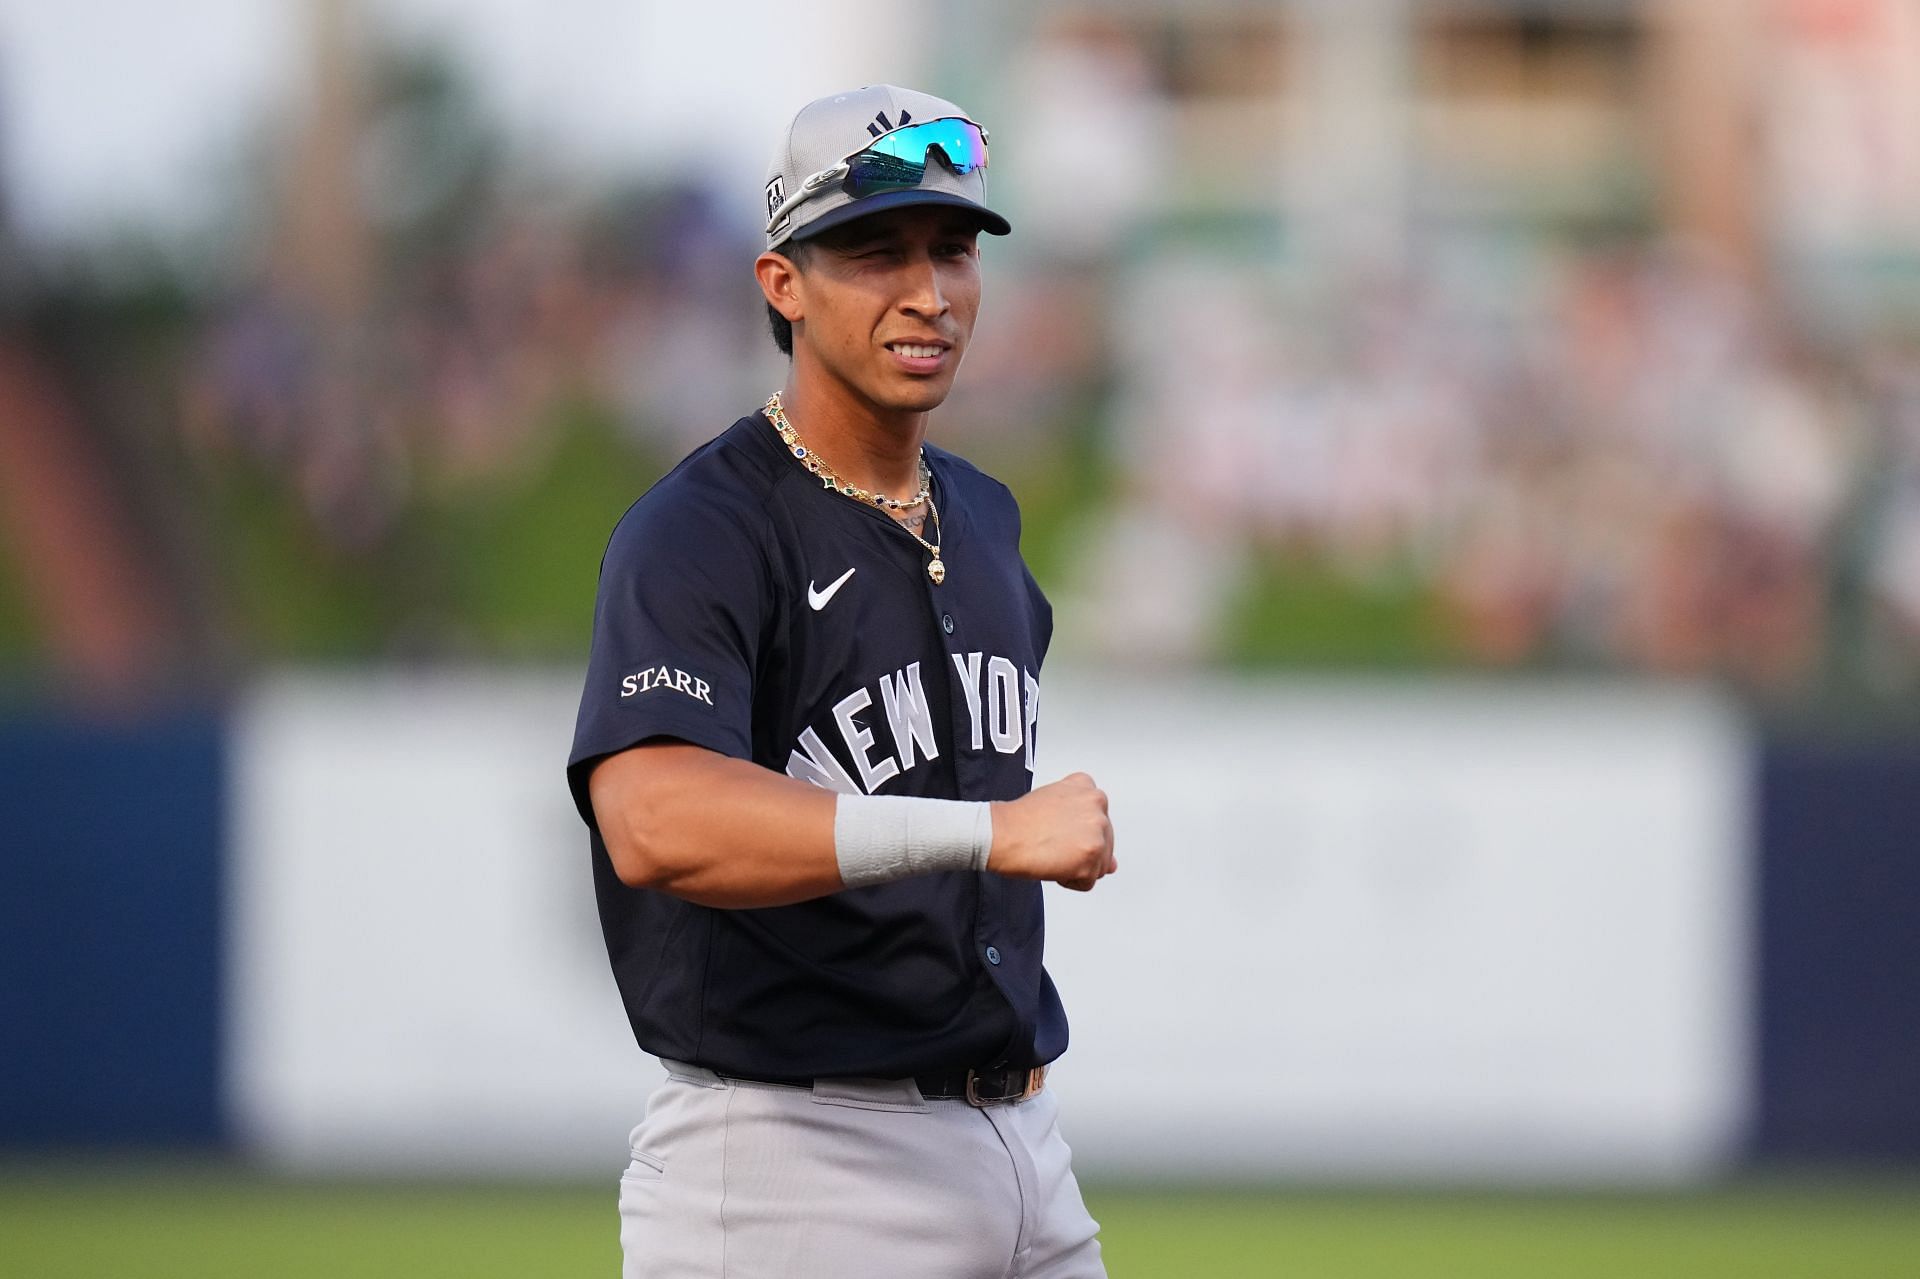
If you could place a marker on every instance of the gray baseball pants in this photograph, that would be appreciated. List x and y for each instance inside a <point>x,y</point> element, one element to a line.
<point>848,1179</point>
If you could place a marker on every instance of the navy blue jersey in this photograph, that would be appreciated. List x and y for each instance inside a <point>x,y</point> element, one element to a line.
<point>745,608</point>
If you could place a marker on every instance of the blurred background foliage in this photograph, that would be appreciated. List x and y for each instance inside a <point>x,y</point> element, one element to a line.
<point>1529,336</point>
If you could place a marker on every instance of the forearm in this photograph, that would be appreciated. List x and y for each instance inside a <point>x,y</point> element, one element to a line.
<point>714,830</point>
<point>725,832</point>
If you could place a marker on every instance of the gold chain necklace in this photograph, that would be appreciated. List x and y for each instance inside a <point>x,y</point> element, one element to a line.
<point>777,414</point>
<point>829,479</point>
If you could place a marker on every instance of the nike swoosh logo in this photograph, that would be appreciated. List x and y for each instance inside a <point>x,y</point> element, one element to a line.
<point>818,599</point>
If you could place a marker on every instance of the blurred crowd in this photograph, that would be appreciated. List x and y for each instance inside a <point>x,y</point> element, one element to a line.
<point>1630,461</point>
<point>461,363</point>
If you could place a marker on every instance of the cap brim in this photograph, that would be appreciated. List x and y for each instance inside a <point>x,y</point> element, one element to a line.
<point>990,222</point>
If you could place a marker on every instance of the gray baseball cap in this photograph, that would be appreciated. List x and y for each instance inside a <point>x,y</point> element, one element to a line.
<point>828,130</point>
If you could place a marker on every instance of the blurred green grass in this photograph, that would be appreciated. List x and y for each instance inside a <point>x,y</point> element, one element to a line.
<point>498,562</point>
<point>213,1222</point>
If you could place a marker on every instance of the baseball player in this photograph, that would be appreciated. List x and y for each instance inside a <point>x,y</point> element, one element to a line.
<point>805,752</point>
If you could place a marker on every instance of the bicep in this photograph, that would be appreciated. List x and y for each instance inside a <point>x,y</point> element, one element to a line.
<point>638,776</point>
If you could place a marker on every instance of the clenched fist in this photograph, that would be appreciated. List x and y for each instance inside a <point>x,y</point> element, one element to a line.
<point>1058,832</point>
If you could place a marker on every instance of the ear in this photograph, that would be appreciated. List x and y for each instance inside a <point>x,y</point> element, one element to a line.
<point>780,282</point>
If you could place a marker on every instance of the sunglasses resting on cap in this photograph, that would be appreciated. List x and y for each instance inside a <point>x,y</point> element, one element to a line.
<point>895,161</point>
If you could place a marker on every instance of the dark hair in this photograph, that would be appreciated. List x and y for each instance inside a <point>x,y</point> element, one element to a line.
<point>796,252</point>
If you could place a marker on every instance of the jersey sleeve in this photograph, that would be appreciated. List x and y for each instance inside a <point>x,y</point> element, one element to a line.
<point>685,591</point>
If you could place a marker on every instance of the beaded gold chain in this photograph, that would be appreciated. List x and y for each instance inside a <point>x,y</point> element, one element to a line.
<point>830,479</point>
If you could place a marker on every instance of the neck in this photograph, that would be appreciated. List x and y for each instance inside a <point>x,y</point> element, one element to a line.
<point>867,444</point>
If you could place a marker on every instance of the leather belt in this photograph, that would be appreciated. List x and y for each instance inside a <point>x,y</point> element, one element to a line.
<point>1001,1087</point>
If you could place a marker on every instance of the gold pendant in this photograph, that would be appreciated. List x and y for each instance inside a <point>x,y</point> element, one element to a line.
<point>936,570</point>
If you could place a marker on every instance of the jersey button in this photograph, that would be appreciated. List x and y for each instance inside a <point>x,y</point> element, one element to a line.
<point>993,955</point>
<point>946,622</point>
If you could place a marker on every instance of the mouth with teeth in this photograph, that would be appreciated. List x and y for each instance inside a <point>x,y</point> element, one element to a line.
<point>918,357</point>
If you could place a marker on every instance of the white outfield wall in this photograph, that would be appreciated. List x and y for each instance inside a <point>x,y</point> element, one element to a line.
<point>1361,930</point>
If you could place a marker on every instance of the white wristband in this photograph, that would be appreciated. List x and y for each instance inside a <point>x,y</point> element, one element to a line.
<point>881,838</point>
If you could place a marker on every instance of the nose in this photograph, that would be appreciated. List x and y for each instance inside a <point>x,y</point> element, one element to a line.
<point>921,294</point>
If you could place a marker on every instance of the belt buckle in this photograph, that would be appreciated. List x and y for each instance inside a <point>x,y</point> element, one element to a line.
<point>1035,1078</point>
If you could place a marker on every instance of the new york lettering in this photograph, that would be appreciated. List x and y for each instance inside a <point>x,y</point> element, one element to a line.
<point>1003,708</point>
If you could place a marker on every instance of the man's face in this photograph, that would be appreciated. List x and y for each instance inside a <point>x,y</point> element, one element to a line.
<point>888,303</point>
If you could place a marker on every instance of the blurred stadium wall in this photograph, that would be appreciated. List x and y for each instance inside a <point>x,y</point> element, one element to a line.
<point>1515,405</point>
<point>1586,932</point>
